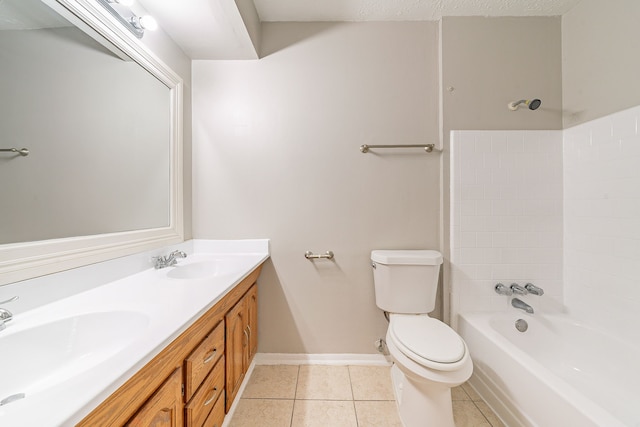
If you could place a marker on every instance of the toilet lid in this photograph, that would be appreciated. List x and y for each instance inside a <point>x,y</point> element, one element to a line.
<point>427,338</point>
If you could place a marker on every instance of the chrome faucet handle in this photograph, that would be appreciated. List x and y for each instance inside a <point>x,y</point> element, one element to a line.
<point>518,290</point>
<point>503,290</point>
<point>5,316</point>
<point>533,289</point>
<point>178,254</point>
<point>159,262</point>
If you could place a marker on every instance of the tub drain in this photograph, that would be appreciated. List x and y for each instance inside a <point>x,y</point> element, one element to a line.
<point>521,325</point>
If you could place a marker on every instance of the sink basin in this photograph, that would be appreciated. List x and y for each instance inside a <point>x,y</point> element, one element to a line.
<point>201,267</point>
<point>42,356</point>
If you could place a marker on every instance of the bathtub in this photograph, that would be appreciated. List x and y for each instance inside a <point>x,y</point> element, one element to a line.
<point>557,373</point>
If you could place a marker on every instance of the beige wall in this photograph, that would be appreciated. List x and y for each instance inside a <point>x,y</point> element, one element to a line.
<point>276,155</point>
<point>490,62</point>
<point>600,60</point>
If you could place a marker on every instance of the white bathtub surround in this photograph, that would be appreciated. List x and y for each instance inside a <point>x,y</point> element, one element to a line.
<point>558,373</point>
<point>602,222</point>
<point>95,340</point>
<point>506,217</point>
<point>579,366</point>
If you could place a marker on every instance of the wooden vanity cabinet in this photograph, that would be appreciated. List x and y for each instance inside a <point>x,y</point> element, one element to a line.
<point>252,315</point>
<point>210,394</point>
<point>164,408</point>
<point>185,385</point>
<point>241,345</point>
<point>204,377</point>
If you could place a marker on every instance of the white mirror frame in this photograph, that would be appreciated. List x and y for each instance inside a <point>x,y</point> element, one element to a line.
<point>20,261</point>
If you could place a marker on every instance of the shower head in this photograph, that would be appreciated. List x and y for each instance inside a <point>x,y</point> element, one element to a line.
<point>533,104</point>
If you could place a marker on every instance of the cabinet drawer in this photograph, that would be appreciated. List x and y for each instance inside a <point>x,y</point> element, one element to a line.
<point>202,360</point>
<point>216,416</point>
<point>204,400</point>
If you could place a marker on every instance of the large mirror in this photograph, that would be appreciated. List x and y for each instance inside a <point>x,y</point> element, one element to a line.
<point>100,118</point>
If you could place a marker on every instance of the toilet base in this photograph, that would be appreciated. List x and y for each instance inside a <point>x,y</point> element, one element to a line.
<point>421,403</point>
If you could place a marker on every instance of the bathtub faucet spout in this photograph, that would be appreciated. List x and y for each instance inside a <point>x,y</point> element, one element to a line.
<point>518,303</point>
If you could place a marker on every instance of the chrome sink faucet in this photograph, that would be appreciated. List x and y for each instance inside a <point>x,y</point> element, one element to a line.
<point>5,315</point>
<point>518,303</point>
<point>167,261</point>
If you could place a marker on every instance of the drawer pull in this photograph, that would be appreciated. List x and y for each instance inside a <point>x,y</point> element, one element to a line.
<point>211,356</point>
<point>246,335</point>
<point>213,396</point>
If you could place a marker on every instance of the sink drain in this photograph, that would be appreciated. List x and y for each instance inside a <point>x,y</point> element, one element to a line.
<point>522,325</point>
<point>12,398</point>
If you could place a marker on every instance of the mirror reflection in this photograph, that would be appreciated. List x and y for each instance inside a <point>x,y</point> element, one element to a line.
<point>97,126</point>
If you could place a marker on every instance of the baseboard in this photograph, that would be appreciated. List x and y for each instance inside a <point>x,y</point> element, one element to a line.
<point>321,359</point>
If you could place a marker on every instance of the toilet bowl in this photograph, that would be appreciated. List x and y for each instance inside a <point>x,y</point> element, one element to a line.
<point>429,357</point>
<point>425,369</point>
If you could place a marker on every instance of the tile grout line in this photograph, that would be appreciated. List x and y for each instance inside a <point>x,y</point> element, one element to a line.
<point>353,398</point>
<point>483,415</point>
<point>295,393</point>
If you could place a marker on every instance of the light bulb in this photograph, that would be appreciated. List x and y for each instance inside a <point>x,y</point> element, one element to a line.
<point>148,22</point>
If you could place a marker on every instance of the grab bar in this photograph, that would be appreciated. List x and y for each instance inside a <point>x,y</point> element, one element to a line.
<point>427,147</point>
<point>311,255</point>
<point>23,151</point>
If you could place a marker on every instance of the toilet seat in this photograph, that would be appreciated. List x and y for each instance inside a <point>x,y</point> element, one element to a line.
<point>428,342</point>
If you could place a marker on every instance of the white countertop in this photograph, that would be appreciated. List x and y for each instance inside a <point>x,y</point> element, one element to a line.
<point>128,320</point>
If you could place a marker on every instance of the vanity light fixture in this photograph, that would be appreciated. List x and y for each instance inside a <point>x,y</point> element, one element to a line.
<point>146,22</point>
<point>119,9</point>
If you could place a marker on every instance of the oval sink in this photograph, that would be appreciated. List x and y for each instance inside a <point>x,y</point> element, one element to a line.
<point>39,357</point>
<point>210,266</point>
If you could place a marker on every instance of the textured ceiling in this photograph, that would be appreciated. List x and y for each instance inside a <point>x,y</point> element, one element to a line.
<point>403,10</point>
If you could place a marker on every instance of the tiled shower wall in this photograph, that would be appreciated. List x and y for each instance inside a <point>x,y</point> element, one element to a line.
<point>602,222</point>
<point>506,223</point>
<point>523,210</point>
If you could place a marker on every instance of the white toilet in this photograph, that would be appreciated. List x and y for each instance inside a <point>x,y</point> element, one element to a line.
<point>429,357</point>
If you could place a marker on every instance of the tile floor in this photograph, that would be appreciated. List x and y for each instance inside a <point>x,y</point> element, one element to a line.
<point>337,396</point>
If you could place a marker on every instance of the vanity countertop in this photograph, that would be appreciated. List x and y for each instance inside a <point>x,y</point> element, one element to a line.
<point>70,354</point>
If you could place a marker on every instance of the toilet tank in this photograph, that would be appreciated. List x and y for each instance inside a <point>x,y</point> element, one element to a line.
<point>406,281</point>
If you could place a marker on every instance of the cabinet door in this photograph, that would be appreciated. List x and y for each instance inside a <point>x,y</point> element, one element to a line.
<point>164,408</point>
<point>235,350</point>
<point>252,317</point>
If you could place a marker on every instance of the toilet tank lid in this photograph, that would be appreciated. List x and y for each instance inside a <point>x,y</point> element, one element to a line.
<point>407,257</point>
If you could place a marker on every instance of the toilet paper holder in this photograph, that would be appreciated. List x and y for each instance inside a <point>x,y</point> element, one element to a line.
<point>311,255</point>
